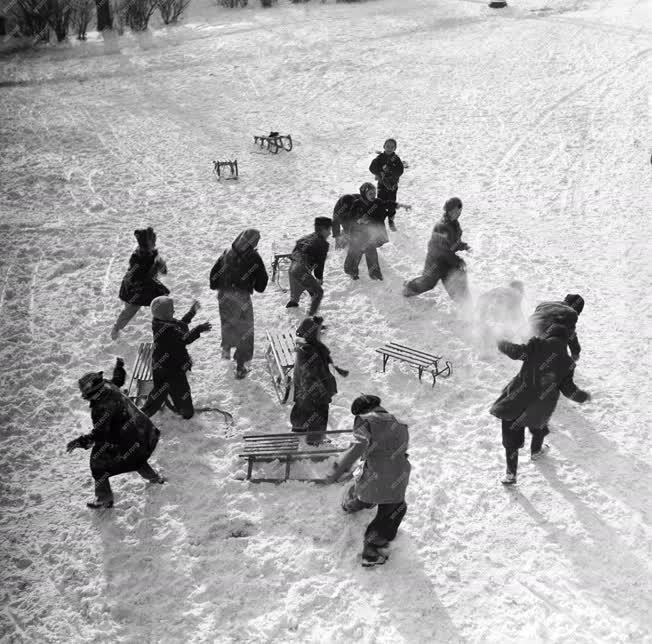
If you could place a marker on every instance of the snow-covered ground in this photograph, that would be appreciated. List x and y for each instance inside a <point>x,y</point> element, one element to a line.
<point>537,116</point>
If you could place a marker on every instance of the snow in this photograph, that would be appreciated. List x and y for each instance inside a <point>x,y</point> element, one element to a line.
<point>538,116</point>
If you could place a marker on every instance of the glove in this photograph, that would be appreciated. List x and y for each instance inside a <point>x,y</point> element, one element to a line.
<point>581,396</point>
<point>575,357</point>
<point>392,226</point>
<point>332,478</point>
<point>463,246</point>
<point>72,445</point>
<point>119,362</point>
<point>204,326</point>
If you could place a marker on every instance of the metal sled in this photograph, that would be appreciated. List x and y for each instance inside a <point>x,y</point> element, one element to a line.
<point>220,167</point>
<point>274,142</point>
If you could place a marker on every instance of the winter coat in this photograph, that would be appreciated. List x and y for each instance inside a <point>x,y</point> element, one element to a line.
<point>343,215</point>
<point>139,285</point>
<point>170,340</point>
<point>548,313</point>
<point>311,251</point>
<point>312,378</point>
<point>240,267</point>
<point>386,469</point>
<point>368,223</point>
<point>532,395</point>
<point>123,438</point>
<point>445,240</point>
<point>389,177</point>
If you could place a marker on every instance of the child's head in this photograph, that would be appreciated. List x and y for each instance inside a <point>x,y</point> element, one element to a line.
<point>310,329</point>
<point>364,404</point>
<point>162,307</point>
<point>368,191</point>
<point>453,208</point>
<point>517,286</point>
<point>389,147</point>
<point>146,238</point>
<point>91,384</point>
<point>323,226</point>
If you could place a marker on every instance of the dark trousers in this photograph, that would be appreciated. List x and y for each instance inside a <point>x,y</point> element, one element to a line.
<point>237,321</point>
<point>385,524</point>
<point>514,438</point>
<point>172,385</point>
<point>455,282</point>
<point>307,416</point>
<point>301,279</point>
<point>103,490</point>
<point>354,256</point>
<point>388,195</point>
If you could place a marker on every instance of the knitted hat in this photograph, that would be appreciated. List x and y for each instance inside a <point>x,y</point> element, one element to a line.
<point>323,222</point>
<point>575,301</point>
<point>364,404</point>
<point>365,187</point>
<point>453,202</point>
<point>162,307</point>
<point>91,383</point>
<point>142,235</point>
<point>309,327</point>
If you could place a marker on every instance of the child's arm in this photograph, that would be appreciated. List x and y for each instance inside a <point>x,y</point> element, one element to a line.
<point>572,391</point>
<point>513,351</point>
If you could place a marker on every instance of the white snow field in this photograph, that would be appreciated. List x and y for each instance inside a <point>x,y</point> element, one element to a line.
<point>538,116</point>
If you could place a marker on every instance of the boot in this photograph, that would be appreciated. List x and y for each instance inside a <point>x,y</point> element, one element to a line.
<point>240,372</point>
<point>535,456</point>
<point>226,354</point>
<point>372,557</point>
<point>508,479</point>
<point>291,304</point>
<point>99,504</point>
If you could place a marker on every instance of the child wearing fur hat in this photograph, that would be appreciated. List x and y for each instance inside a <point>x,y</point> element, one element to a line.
<point>531,397</point>
<point>236,274</point>
<point>367,231</point>
<point>140,284</point>
<point>170,358</point>
<point>381,441</point>
<point>123,438</point>
<point>314,384</point>
<point>387,168</point>
<point>307,266</point>
<point>442,261</point>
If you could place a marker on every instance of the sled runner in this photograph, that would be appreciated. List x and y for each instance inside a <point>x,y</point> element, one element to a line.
<point>280,267</point>
<point>280,362</point>
<point>419,359</point>
<point>287,447</point>
<point>497,4</point>
<point>219,168</point>
<point>141,382</point>
<point>274,142</point>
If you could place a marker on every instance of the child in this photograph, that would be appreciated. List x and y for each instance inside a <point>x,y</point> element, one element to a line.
<point>314,384</point>
<point>442,261</point>
<point>307,267</point>
<point>235,275</point>
<point>387,167</point>
<point>564,313</point>
<point>139,285</point>
<point>530,399</point>
<point>381,441</point>
<point>123,438</point>
<point>342,219</point>
<point>499,314</point>
<point>170,358</point>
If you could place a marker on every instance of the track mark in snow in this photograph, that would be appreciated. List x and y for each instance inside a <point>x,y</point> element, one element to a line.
<point>32,288</point>
<point>4,285</point>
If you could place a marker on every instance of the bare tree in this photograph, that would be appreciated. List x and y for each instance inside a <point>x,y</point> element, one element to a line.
<point>103,10</point>
<point>82,13</point>
<point>172,9</point>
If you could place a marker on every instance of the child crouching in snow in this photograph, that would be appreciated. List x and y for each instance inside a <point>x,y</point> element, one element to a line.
<point>381,441</point>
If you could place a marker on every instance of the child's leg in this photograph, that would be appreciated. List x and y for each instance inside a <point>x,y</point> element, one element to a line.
<point>513,439</point>
<point>125,316</point>
<point>538,434</point>
<point>386,523</point>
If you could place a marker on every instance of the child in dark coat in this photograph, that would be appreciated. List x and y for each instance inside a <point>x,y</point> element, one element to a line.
<point>307,266</point>
<point>442,261</point>
<point>530,399</point>
<point>140,284</point>
<point>343,216</point>
<point>387,167</point>
<point>123,438</point>
<point>170,358</point>
<point>236,274</point>
<point>381,441</point>
<point>314,384</point>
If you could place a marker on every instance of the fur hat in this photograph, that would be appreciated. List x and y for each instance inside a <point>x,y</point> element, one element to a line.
<point>365,187</point>
<point>575,301</point>
<point>143,235</point>
<point>309,327</point>
<point>323,222</point>
<point>162,307</point>
<point>364,404</point>
<point>91,383</point>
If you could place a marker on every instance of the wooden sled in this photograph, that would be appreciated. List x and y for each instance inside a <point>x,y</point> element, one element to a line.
<point>280,363</point>
<point>420,359</point>
<point>280,267</point>
<point>141,382</point>
<point>285,447</point>
<point>274,142</point>
<point>220,167</point>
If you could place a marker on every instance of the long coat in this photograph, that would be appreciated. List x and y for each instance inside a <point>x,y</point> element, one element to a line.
<point>123,438</point>
<point>139,285</point>
<point>313,382</point>
<point>386,469</point>
<point>387,178</point>
<point>368,223</point>
<point>170,338</point>
<point>531,396</point>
